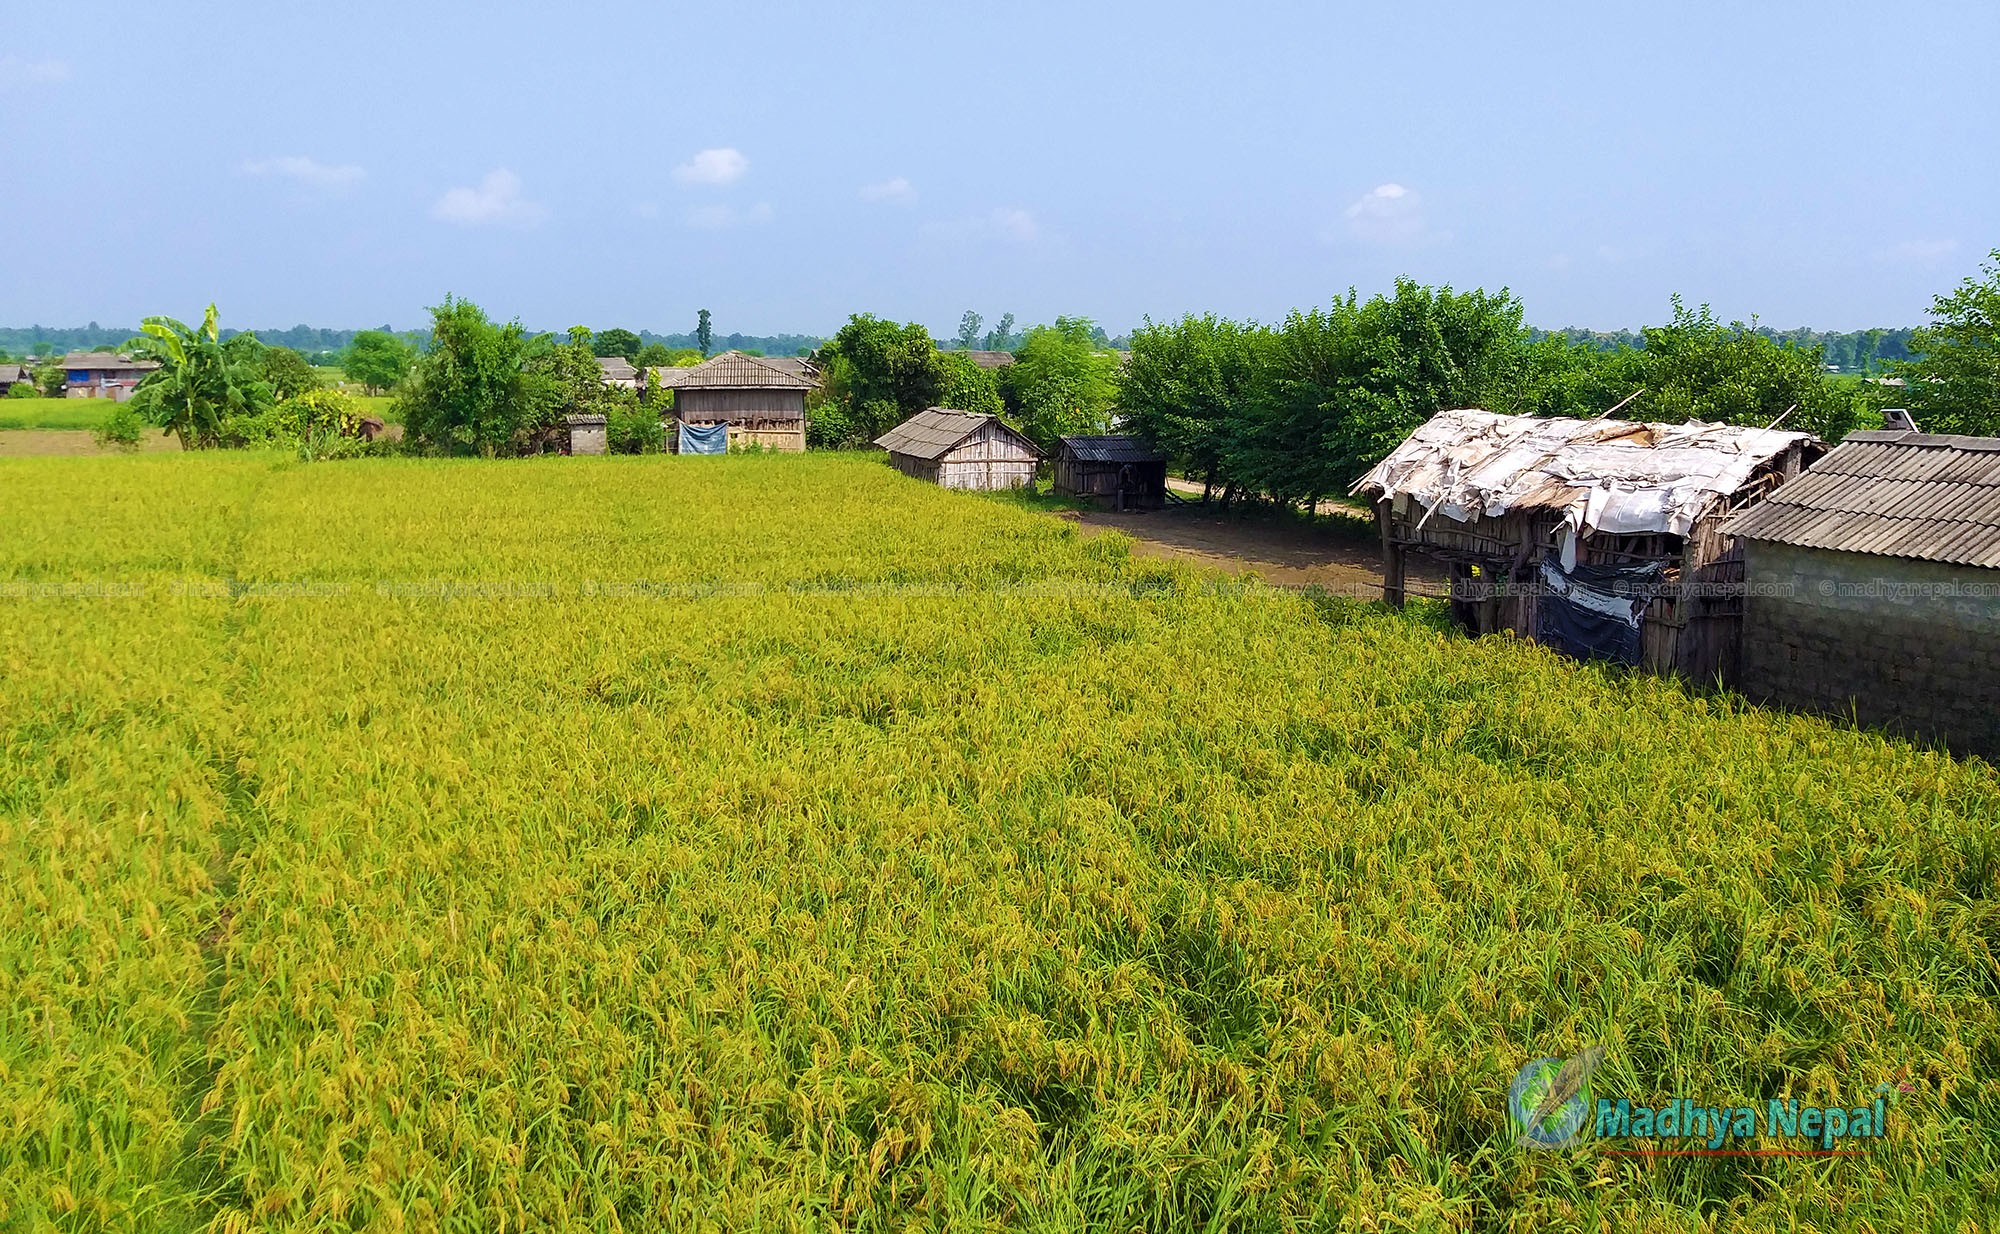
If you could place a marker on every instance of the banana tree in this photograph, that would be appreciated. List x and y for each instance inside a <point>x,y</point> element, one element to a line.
<point>196,387</point>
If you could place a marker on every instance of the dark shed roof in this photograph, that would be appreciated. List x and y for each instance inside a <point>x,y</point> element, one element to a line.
<point>934,431</point>
<point>732,370</point>
<point>991,359</point>
<point>1111,449</point>
<point>95,360</point>
<point>1931,496</point>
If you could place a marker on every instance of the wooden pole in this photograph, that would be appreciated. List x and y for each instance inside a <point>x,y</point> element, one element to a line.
<point>1620,403</point>
<point>1392,555</point>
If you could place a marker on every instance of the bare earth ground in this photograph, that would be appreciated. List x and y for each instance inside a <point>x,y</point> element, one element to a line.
<point>1344,561</point>
<point>20,441</point>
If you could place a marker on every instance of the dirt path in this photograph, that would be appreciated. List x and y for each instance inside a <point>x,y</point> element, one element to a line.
<point>1340,559</point>
<point>15,442</point>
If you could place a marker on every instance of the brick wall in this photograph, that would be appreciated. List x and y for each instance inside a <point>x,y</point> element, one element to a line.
<point>1910,646</point>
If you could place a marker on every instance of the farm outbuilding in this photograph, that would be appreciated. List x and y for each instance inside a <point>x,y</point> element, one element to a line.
<point>762,403</point>
<point>1602,538</point>
<point>12,375</point>
<point>618,371</point>
<point>1874,587</point>
<point>1121,473</point>
<point>961,449</point>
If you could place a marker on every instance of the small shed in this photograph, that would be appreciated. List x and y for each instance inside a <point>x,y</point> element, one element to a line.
<point>1121,473</point>
<point>586,434</point>
<point>763,404</point>
<point>1874,587</point>
<point>1602,538</point>
<point>961,449</point>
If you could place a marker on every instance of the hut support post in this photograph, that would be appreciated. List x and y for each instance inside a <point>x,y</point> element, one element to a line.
<point>1392,556</point>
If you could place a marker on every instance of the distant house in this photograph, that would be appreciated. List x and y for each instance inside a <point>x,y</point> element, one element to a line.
<point>1874,587</point>
<point>1123,473</point>
<point>762,401</point>
<point>103,374</point>
<point>797,366</point>
<point>961,449</point>
<point>618,371</point>
<point>991,359</point>
<point>12,375</point>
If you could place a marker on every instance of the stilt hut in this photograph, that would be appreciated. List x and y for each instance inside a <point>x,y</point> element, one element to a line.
<point>1602,538</point>
<point>763,404</point>
<point>961,449</point>
<point>1120,473</point>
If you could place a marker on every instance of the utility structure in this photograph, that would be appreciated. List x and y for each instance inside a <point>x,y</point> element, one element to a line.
<point>1603,538</point>
<point>961,449</point>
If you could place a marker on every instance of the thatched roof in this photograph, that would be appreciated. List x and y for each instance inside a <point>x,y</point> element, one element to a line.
<point>1932,496</point>
<point>935,431</point>
<point>732,370</point>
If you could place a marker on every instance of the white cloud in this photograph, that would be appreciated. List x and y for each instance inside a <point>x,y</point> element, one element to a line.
<point>1004,224</point>
<point>309,172</point>
<point>1920,252</point>
<point>718,217</point>
<point>895,192</point>
<point>16,71</point>
<point>724,165</point>
<point>496,199</point>
<point>1389,214</point>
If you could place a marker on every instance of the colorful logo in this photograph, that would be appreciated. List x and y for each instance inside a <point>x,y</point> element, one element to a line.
<point>1550,1102</point>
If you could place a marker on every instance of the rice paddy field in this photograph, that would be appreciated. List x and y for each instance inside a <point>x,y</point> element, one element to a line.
<point>779,843</point>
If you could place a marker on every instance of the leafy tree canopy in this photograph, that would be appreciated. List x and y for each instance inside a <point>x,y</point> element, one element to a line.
<point>1954,384</point>
<point>470,393</point>
<point>615,342</point>
<point>378,360</point>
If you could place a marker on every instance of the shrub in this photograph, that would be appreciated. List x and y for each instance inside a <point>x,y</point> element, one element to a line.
<point>120,430</point>
<point>23,389</point>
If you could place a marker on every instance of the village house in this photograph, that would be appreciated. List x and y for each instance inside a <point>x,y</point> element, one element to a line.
<point>618,371</point>
<point>1874,587</point>
<point>12,375</point>
<point>1602,538</point>
<point>103,374</point>
<point>760,402</point>
<point>961,449</point>
<point>1118,472</point>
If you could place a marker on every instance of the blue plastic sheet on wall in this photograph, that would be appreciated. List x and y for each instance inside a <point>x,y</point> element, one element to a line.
<point>704,439</point>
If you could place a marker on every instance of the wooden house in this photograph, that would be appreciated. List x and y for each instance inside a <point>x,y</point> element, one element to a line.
<point>618,371</point>
<point>1874,587</point>
<point>763,403</point>
<point>1602,538</point>
<point>961,449</point>
<point>12,375</point>
<point>103,374</point>
<point>1120,473</point>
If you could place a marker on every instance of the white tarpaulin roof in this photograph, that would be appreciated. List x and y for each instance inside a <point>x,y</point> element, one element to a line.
<point>1614,476</point>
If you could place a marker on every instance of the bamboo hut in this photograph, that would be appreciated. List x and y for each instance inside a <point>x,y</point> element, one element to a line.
<point>763,403</point>
<point>961,449</point>
<point>1122,473</point>
<point>1602,538</point>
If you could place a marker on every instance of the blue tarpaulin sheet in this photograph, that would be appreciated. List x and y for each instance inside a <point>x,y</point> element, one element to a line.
<point>704,439</point>
<point>1592,612</point>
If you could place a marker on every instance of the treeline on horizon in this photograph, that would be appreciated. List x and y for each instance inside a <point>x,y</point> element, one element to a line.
<point>1868,352</point>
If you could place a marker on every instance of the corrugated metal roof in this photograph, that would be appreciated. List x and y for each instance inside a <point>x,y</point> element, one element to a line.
<point>1111,449</point>
<point>932,432</point>
<point>732,370</point>
<point>1932,496</point>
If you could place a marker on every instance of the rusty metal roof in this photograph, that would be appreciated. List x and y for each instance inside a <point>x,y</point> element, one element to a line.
<point>1932,496</point>
<point>934,431</point>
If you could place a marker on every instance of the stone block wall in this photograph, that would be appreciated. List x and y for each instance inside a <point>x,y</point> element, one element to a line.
<point>1909,646</point>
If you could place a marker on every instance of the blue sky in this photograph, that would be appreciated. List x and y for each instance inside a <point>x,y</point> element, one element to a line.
<point>1825,164</point>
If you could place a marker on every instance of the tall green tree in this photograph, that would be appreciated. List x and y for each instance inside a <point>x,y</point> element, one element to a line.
<point>615,342</point>
<point>704,334</point>
<point>1001,336</point>
<point>1188,388</point>
<point>1954,384</point>
<point>470,393</point>
<point>877,374</point>
<point>968,330</point>
<point>1061,381</point>
<point>199,385</point>
<point>378,360</point>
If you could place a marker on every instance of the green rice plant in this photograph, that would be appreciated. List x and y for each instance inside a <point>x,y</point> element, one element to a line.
<point>646,842</point>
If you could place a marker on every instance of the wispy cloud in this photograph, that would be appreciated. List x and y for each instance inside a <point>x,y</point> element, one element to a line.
<point>896,192</point>
<point>496,199</point>
<point>1003,224</point>
<point>309,172</point>
<point>20,71</point>
<point>718,217</point>
<point>723,165</point>
<point>1390,214</point>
